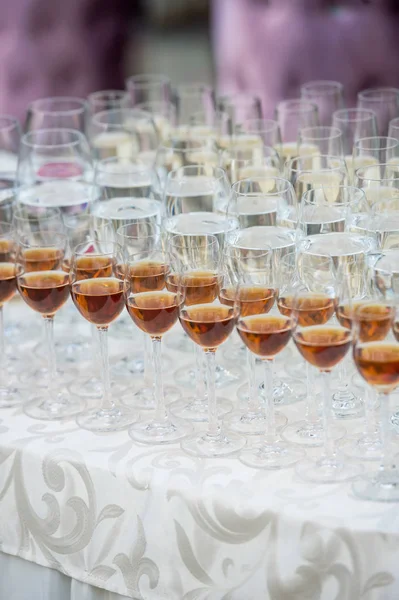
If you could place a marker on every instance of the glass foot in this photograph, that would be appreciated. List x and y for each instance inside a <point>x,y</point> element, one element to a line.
<point>12,395</point>
<point>365,447</point>
<point>193,409</point>
<point>38,376</point>
<point>93,387</point>
<point>379,486</point>
<point>328,470</point>
<point>345,405</point>
<point>113,419</point>
<point>61,406</point>
<point>160,432</point>
<point>310,434</point>
<point>185,376</point>
<point>252,423</point>
<point>143,398</point>
<point>207,446</point>
<point>278,455</point>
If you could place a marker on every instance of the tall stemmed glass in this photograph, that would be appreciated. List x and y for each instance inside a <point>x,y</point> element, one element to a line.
<point>378,364</point>
<point>57,112</point>
<point>320,140</point>
<point>195,258</point>
<point>154,310</point>
<point>11,393</point>
<point>384,102</point>
<point>327,95</point>
<point>10,136</point>
<point>293,115</point>
<point>209,324</point>
<point>354,123</point>
<point>253,270</point>
<point>97,292</point>
<point>323,344</point>
<point>44,286</point>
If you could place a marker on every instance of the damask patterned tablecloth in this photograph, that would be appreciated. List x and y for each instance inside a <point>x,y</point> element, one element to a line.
<point>154,523</point>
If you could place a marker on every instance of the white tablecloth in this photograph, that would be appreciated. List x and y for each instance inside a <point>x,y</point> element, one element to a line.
<point>154,523</point>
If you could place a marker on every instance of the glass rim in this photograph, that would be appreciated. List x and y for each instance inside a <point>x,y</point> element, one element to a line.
<point>269,125</point>
<point>289,164</point>
<point>144,80</point>
<point>142,167</point>
<point>78,135</point>
<point>359,170</point>
<point>357,311</point>
<point>93,242</point>
<point>97,119</point>
<point>236,184</point>
<point>346,114</point>
<point>175,172</point>
<point>241,97</point>
<point>81,105</point>
<point>57,234</point>
<point>352,188</point>
<point>359,143</point>
<point>189,89</point>
<point>376,94</point>
<point>330,86</point>
<point>120,231</point>
<point>205,236</point>
<point>19,206</point>
<point>296,105</point>
<point>335,133</point>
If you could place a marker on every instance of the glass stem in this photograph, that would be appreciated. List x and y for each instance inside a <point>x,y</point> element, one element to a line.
<point>2,345</point>
<point>253,391</point>
<point>107,403</point>
<point>199,375</point>
<point>311,410</point>
<point>213,424</point>
<point>160,412</point>
<point>328,450</point>
<point>370,427</point>
<point>269,402</point>
<point>95,346</point>
<point>148,363</point>
<point>388,462</point>
<point>51,357</point>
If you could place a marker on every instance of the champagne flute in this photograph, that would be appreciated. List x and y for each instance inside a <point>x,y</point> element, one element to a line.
<point>97,292</point>
<point>195,257</point>
<point>293,115</point>
<point>44,286</point>
<point>209,324</point>
<point>154,310</point>
<point>322,140</point>
<point>378,364</point>
<point>149,88</point>
<point>354,123</point>
<point>58,112</point>
<point>10,137</point>
<point>384,102</point>
<point>327,95</point>
<point>240,107</point>
<point>108,100</point>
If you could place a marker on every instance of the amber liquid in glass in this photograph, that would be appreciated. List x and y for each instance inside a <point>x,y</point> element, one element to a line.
<point>314,309</point>
<point>7,251</point>
<point>200,287</point>
<point>147,276</point>
<point>207,325</point>
<point>154,312</point>
<point>42,259</point>
<point>99,300</point>
<point>265,335</point>
<point>252,300</point>
<point>8,281</point>
<point>44,291</point>
<point>93,267</point>
<point>378,364</point>
<point>395,330</point>
<point>323,347</point>
<point>374,320</point>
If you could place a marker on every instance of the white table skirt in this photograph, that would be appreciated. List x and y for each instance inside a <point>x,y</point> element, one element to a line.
<point>154,523</point>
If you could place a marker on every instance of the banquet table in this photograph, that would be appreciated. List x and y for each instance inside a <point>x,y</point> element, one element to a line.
<point>87,516</point>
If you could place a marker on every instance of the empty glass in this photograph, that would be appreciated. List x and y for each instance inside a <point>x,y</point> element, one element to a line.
<point>320,140</point>
<point>293,115</point>
<point>375,150</point>
<point>327,95</point>
<point>149,88</point>
<point>10,136</point>
<point>384,102</point>
<point>59,112</point>
<point>354,123</point>
<point>240,107</point>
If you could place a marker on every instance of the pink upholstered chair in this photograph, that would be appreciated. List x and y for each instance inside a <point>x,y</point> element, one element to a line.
<point>273,46</point>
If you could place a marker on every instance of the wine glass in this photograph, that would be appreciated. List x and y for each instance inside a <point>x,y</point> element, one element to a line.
<point>154,310</point>
<point>240,107</point>
<point>11,393</point>
<point>209,324</point>
<point>44,286</point>
<point>253,271</point>
<point>142,236</point>
<point>55,170</point>
<point>195,257</point>
<point>149,88</point>
<point>384,102</point>
<point>380,183</point>
<point>10,137</point>
<point>327,95</point>
<point>191,98</point>
<point>28,219</point>
<point>385,221</point>
<point>97,292</point>
<point>293,115</point>
<point>354,123</point>
<point>59,112</point>
<point>108,100</point>
<point>315,170</point>
<point>324,345</point>
<point>260,162</point>
<point>378,364</point>
<point>320,140</point>
<point>171,155</point>
<point>163,114</point>
<point>125,133</point>
<point>371,151</point>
